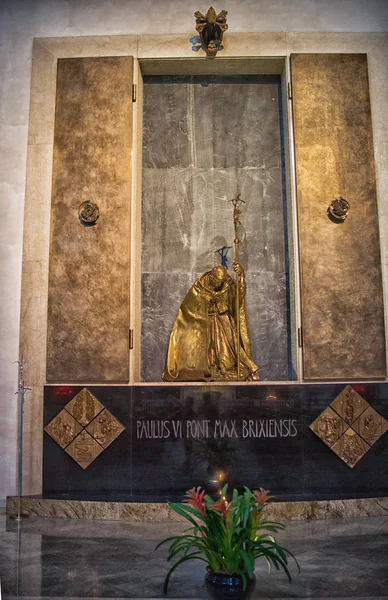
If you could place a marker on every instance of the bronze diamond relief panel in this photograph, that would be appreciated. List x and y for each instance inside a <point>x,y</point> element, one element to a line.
<point>349,443</point>
<point>350,447</point>
<point>370,425</point>
<point>63,428</point>
<point>329,427</point>
<point>84,428</point>
<point>84,449</point>
<point>84,407</point>
<point>105,428</point>
<point>349,405</point>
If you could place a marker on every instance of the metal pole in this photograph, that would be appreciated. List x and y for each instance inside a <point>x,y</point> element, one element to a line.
<point>20,452</point>
<point>20,393</point>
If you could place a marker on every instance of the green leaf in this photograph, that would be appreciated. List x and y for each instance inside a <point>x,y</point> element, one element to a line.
<point>280,526</point>
<point>182,510</point>
<point>195,556</point>
<point>273,528</point>
<point>249,562</point>
<point>186,546</point>
<point>168,540</point>
<point>244,579</point>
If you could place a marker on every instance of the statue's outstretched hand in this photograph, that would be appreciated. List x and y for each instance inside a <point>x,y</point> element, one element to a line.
<point>238,269</point>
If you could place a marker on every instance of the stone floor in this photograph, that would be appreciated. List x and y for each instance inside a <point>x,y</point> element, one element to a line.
<point>43,558</point>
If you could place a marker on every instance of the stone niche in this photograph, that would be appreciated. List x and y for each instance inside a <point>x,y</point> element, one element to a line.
<point>207,138</point>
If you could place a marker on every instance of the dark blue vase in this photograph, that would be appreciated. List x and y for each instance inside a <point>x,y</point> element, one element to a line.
<point>220,586</point>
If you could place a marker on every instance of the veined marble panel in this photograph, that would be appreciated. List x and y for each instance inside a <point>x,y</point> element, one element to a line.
<point>91,45</point>
<point>161,298</point>
<point>152,511</point>
<point>88,301</point>
<point>206,139</point>
<point>341,283</point>
<point>42,105</point>
<point>187,216</point>
<point>262,245</point>
<point>166,141</point>
<point>266,305</point>
<point>168,213</point>
<point>246,121</point>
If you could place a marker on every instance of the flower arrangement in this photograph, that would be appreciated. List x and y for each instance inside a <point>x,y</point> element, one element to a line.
<point>227,535</point>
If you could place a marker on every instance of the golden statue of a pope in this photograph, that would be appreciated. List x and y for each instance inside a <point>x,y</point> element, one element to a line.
<point>203,341</point>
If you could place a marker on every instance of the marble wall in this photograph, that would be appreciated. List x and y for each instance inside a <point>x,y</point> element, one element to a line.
<point>205,140</point>
<point>22,20</point>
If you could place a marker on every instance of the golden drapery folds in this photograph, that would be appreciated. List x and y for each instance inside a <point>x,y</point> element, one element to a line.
<point>203,341</point>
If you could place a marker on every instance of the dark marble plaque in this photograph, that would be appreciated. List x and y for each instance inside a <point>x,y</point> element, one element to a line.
<point>179,437</point>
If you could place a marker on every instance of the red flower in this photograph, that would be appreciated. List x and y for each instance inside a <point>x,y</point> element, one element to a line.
<point>195,499</point>
<point>262,497</point>
<point>221,507</point>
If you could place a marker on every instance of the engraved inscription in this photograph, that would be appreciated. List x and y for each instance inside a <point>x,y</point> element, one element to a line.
<point>216,428</point>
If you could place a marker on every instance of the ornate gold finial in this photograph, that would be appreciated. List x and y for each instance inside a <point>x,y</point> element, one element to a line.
<point>211,28</point>
<point>237,202</point>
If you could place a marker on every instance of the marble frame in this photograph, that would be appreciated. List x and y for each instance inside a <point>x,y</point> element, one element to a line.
<point>46,51</point>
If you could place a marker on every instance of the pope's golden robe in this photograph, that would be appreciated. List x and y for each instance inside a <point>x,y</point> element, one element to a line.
<point>203,339</point>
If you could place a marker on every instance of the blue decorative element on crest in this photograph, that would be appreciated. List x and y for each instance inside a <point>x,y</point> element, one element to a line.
<point>196,43</point>
<point>223,255</point>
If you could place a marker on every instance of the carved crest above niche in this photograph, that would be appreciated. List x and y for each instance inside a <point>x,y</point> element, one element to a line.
<point>211,28</point>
